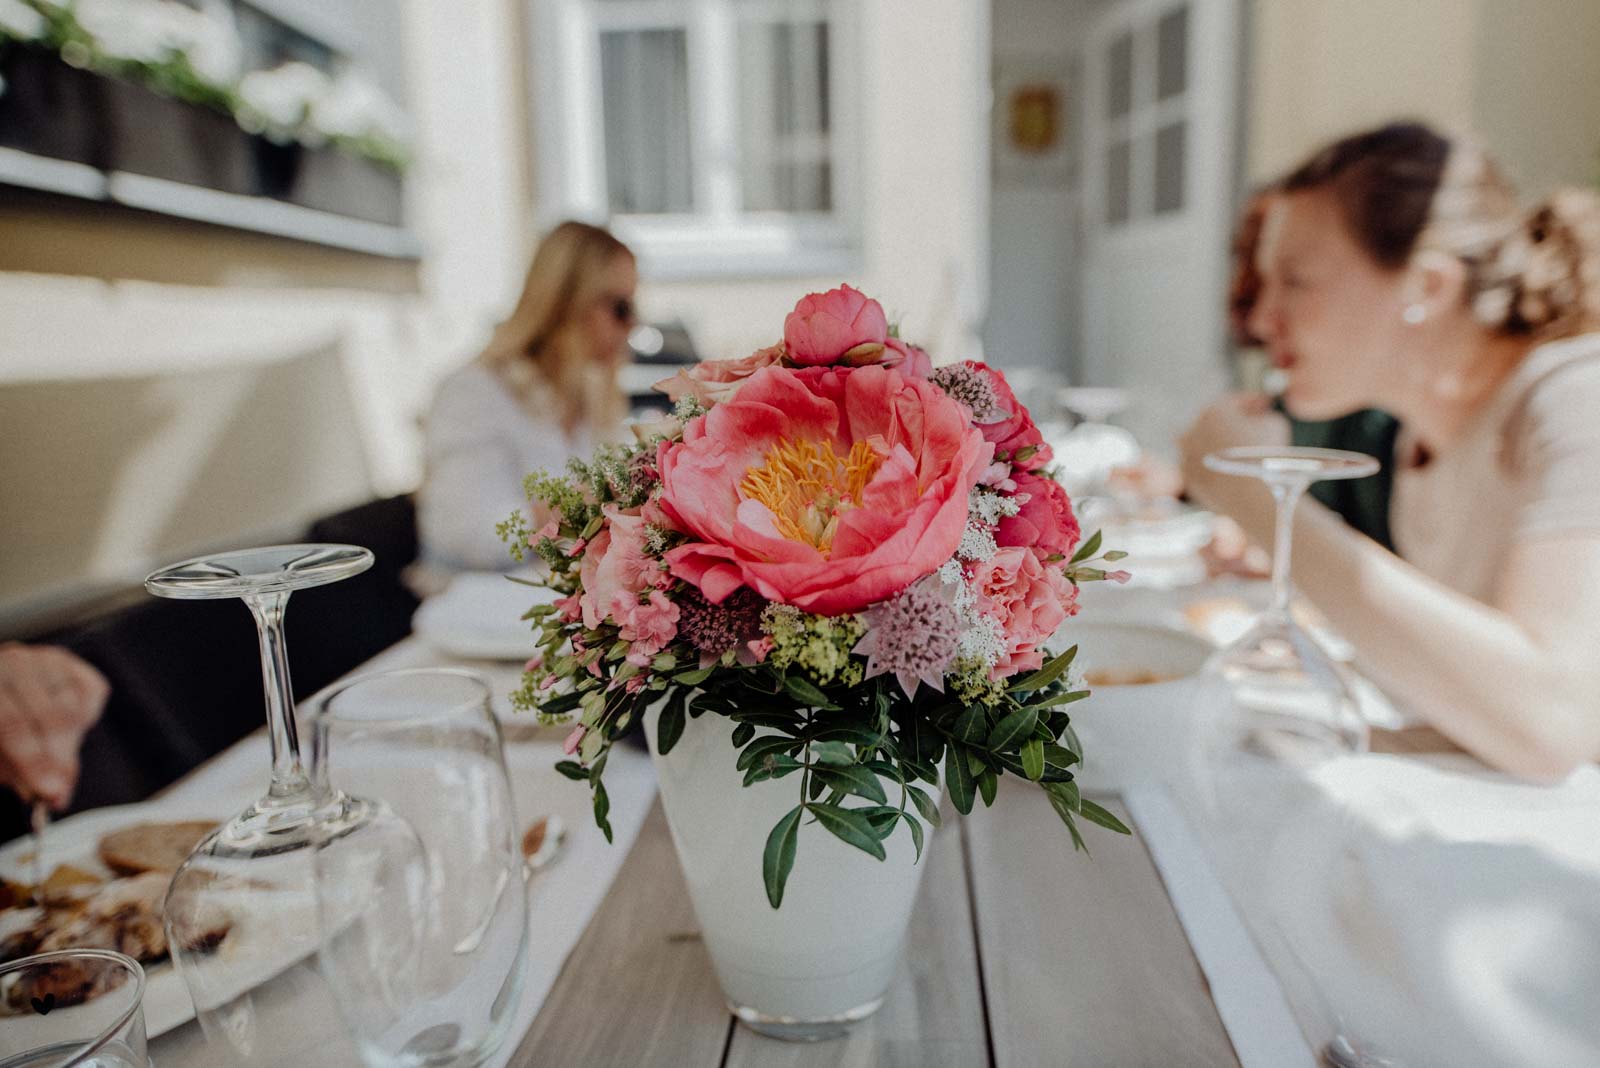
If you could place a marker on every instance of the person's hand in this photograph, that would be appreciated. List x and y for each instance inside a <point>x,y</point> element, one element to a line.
<point>49,699</point>
<point>1235,420</point>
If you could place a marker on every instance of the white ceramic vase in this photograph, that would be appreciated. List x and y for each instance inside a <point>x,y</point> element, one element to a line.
<point>822,961</point>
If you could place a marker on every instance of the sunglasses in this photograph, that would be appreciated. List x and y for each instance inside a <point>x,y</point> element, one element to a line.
<point>622,309</point>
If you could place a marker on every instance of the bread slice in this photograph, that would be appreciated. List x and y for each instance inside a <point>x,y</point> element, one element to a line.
<point>152,846</point>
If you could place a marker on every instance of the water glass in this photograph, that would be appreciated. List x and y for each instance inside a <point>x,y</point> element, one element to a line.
<point>426,741</point>
<point>77,1008</point>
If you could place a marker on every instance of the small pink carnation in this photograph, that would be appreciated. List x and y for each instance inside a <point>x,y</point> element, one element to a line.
<point>535,662</point>
<point>714,381</point>
<point>648,627</point>
<point>760,648</point>
<point>574,738</point>
<point>1027,599</point>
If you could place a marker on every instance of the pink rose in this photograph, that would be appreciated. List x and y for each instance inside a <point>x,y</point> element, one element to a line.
<point>714,381</point>
<point>1028,599</point>
<point>825,488</point>
<point>1016,431</point>
<point>840,325</point>
<point>1045,523</point>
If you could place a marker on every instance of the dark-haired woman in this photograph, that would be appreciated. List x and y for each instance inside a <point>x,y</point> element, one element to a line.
<point>1399,274</point>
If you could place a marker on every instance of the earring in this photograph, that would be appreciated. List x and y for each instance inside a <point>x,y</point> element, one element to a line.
<point>1415,314</point>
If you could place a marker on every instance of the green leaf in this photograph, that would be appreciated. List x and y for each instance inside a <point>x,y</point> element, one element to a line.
<point>693,678</point>
<point>763,746</point>
<point>958,777</point>
<point>1095,814</point>
<point>771,767</point>
<point>1013,728</point>
<point>881,817</point>
<point>847,733</point>
<point>988,783</point>
<point>1058,756</point>
<point>925,805</point>
<point>602,809</point>
<point>778,859</point>
<point>1032,755</point>
<point>1047,674</point>
<point>1059,699</point>
<point>1064,809</point>
<point>852,779</point>
<point>832,753</point>
<point>742,734</point>
<point>1069,739</point>
<point>970,726</point>
<point>848,826</point>
<point>1087,549</point>
<point>573,770</point>
<point>804,691</point>
<point>916,831</point>
<point>670,726</point>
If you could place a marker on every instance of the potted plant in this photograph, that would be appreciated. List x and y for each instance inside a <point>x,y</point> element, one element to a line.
<point>825,585</point>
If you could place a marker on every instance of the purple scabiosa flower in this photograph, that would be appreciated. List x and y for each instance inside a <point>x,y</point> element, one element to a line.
<point>915,635</point>
<point>967,385</point>
<point>713,629</point>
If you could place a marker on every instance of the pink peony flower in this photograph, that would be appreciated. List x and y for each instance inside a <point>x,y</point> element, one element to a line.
<point>826,488</point>
<point>714,381</point>
<point>1015,432</point>
<point>1046,522</point>
<point>910,360</point>
<point>841,325</point>
<point>1027,599</point>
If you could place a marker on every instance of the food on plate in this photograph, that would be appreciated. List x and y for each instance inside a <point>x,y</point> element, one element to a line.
<point>152,846</point>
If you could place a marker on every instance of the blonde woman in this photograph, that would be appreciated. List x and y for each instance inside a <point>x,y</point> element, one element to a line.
<point>1399,274</point>
<point>544,390</point>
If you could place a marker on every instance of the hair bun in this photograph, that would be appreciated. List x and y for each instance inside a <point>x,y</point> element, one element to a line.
<point>1545,277</point>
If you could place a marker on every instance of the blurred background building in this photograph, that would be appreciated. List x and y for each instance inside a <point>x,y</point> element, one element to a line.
<point>240,240</point>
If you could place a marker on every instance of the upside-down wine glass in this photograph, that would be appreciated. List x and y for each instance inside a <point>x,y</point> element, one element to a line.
<point>242,916</point>
<point>1290,701</point>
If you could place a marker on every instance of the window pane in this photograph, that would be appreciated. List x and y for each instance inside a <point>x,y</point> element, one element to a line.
<point>645,95</point>
<point>1119,177</point>
<point>1172,53</point>
<point>1171,148</point>
<point>1119,77</point>
<point>784,117</point>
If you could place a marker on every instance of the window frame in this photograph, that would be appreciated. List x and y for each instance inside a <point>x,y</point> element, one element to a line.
<point>718,238</point>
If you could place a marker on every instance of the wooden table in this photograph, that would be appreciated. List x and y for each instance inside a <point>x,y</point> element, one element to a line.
<point>1022,953</point>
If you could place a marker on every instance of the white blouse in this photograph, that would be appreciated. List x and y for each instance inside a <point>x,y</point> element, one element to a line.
<point>480,443</point>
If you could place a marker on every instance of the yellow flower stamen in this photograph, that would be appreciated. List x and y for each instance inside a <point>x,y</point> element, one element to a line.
<point>806,485</point>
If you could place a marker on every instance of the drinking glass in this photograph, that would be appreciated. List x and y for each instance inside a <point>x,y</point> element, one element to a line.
<point>1290,701</point>
<point>241,915</point>
<point>426,740</point>
<point>76,1008</point>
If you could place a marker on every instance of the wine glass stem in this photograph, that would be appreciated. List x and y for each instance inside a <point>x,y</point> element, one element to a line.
<point>1286,496</point>
<point>289,778</point>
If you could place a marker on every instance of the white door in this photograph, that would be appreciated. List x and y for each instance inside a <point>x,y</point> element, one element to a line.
<point>1160,81</point>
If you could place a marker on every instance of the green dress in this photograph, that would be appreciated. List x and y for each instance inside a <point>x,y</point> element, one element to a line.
<point>1362,502</point>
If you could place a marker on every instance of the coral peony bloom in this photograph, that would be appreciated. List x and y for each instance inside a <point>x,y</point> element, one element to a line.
<point>826,488</point>
<point>1015,432</point>
<point>1046,522</point>
<point>840,325</point>
<point>1028,599</point>
<point>714,381</point>
<point>912,361</point>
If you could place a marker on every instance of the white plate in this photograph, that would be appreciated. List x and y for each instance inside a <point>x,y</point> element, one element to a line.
<point>75,840</point>
<point>478,617</point>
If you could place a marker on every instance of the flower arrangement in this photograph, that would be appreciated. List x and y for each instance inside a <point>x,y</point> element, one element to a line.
<point>855,557</point>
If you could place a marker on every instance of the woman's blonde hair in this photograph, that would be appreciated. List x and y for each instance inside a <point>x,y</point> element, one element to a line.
<point>540,353</point>
<point>1405,186</point>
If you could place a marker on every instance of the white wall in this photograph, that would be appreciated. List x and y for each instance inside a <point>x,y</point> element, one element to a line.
<point>924,229</point>
<point>1034,283</point>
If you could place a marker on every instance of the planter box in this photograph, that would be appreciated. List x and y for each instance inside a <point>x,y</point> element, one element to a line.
<point>163,137</point>
<point>51,109</point>
<point>336,181</point>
